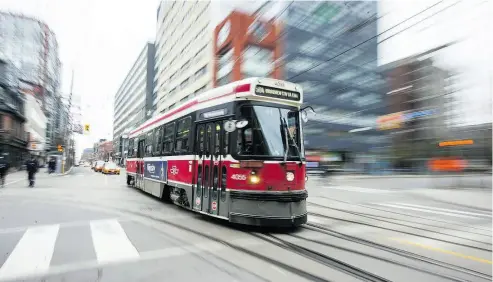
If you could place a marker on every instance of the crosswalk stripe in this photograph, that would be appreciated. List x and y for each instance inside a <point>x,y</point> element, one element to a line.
<point>446,210</point>
<point>33,252</point>
<point>425,210</point>
<point>111,242</point>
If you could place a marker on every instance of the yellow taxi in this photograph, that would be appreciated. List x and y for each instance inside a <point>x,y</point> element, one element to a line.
<point>98,166</point>
<point>111,168</point>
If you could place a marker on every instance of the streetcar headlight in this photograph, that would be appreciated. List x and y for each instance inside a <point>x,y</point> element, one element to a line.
<point>254,179</point>
<point>289,176</point>
<point>306,178</point>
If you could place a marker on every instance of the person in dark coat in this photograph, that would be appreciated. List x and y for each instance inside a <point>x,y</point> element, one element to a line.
<point>4,168</point>
<point>52,165</point>
<point>32,168</point>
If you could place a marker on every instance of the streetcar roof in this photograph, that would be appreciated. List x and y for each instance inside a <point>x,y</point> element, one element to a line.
<point>238,90</point>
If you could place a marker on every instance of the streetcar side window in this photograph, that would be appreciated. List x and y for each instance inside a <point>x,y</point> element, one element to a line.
<point>217,135</point>
<point>208,140</point>
<point>169,134</point>
<point>130,153</point>
<point>200,139</point>
<point>157,140</point>
<point>183,135</point>
<point>148,142</point>
<point>141,148</point>
<point>136,147</point>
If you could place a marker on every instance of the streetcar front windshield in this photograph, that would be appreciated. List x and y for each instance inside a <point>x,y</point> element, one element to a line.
<point>270,131</point>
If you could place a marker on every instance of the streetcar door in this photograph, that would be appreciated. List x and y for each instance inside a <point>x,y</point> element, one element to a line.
<point>140,165</point>
<point>204,166</point>
<point>216,161</point>
<point>198,192</point>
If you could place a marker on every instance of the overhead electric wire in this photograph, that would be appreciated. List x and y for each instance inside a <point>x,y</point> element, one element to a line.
<point>373,37</point>
<point>432,15</point>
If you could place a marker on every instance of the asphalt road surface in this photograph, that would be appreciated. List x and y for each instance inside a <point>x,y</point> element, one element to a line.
<point>86,226</point>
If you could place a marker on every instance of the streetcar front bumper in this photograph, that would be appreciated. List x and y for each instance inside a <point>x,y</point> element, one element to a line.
<point>275,209</point>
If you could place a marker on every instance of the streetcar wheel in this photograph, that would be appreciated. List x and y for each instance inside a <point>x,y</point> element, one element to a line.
<point>129,180</point>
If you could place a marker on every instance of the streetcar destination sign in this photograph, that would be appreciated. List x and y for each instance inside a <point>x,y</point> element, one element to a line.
<point>277,93</point>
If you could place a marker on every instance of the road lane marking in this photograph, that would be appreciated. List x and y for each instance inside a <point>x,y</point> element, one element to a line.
<point>446,210</point>
<point>15,181</point>
<point>32,254</point>
<point>443,251</point>
<point>111,242</point>
<point>358,189</point>
<point>425,210</point>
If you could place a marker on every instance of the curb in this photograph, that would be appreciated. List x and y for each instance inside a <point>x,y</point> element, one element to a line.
<point>65,173</point>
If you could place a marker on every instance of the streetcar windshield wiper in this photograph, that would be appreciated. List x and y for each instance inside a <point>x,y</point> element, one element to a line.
<point>284,135</point>
<point>289,137</point>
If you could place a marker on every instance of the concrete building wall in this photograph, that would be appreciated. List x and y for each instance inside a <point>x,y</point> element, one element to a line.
<point>183,52</point>
<point>130,106</point>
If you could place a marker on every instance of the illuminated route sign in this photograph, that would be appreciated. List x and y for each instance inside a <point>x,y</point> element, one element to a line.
<point>277,93</point>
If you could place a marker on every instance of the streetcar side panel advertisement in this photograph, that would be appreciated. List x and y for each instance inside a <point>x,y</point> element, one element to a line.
<point>156,170</point>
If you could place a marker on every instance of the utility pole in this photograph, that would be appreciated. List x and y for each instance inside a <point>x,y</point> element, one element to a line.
<point>67,156</point>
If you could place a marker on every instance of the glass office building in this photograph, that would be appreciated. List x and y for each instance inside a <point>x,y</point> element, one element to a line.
<point>340,82</point>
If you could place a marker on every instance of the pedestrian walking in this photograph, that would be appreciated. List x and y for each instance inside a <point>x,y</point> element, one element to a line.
<point>52,165</point>
<point>4,168</point>
<point>32,169</point>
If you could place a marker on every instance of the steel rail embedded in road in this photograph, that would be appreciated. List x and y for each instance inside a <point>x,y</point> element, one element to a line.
<point>323,259</point>
<point>399,213</point>
<point>284,266</point>
<point>379,217</point>
<point>403,253</point>
<point>377,258</point>
<point>411,233</point>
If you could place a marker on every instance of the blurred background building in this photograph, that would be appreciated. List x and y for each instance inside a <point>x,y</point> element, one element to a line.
<point>134,99</point>
<point>183,52</point>
<point>103,150</point>
<point>345,87</point>
<point>13,136</point>
<point>88,155</point>
<point>31,49</point>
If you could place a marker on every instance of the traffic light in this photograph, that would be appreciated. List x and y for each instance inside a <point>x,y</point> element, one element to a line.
<point>86,127</point>
<point>60,148</point>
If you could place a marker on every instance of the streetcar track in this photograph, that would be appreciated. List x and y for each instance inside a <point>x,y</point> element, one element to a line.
<point>284,266</point>
<point>404,232</point>
<point>420,258</point>
<point>404,214</point>
<point>377,217</point>
<point>397,251</point>
<point>323,259</point>
<point>287,267</point>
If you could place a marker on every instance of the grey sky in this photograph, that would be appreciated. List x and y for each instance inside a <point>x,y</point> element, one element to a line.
<point>99,40</point>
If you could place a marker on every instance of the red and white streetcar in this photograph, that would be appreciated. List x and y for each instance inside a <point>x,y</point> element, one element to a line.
<point>234,152</point>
